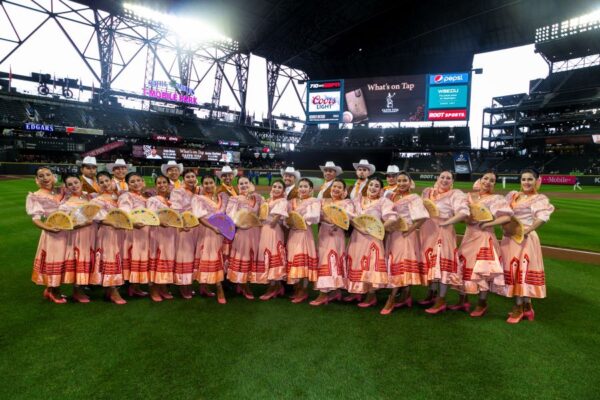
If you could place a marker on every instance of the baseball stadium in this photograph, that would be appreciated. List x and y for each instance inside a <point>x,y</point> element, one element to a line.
<point>277,199</point>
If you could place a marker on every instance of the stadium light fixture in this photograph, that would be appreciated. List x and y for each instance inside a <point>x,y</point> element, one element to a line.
<point>190,30</point>
<point>573,26</point>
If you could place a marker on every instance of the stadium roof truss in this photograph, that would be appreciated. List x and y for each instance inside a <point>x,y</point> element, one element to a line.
<point>109,30</point>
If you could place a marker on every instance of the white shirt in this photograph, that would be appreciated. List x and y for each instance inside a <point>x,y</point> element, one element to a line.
<point>356,192</point>
<point>324,188</point>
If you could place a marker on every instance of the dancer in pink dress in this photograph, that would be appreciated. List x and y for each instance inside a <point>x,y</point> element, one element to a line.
<point>302,260</point>
<point>181,201</point>
<point>208,261</point>
<point>135,248</point>
<point>244,248</point>
<point>367,270</point>
<point>50,263</point>
<point>162,243</point>
<point>108,260</point>
<point>403,249</point>
<point>524,275</point>
<point>225,191</point>
<point>271,260</point>
<point>442,264</point>
<point>482,268</point>
<point>331,273</point>
<point>82,239</point>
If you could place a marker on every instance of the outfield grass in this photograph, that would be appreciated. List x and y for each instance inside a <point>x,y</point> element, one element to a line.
<point>262,350</point>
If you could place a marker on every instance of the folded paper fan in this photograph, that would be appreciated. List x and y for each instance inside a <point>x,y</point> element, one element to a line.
<point>432,209</point>
<point>398,225</point>
<point>189,220</point>
<point>224,224</point>
<point>515,230</point>
<point>170,218</point>
<point>480,213</point>
<point>145,216</point>
<point>263,214</point>
<point>119,219</point>
<point>370,224</point>
<point>59,220</point>
<point>84,213</point>
<point>337,215</point>
<point>295,221</point>
<point>246,219</point>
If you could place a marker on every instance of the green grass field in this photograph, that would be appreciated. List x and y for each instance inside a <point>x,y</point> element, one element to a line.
<point>262,350</point>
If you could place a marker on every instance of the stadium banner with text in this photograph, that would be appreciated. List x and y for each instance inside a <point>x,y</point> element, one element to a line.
<point>402,98</point>
<point>324,101</point>
<point>150,152</point>
<point>384,99</point>
<point>104,149</point>
<point>558,179</point>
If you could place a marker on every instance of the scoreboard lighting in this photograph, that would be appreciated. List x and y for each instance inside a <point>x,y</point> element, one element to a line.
<point>574,26</point>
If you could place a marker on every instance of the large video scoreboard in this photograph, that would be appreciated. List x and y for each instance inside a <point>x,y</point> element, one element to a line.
<point>431,97</point>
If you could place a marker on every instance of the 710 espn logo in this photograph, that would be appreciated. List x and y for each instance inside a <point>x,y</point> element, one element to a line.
<point>440,79</point>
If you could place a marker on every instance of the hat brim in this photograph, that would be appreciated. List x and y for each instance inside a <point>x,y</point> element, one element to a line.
<point>295,173</point>
<point>221,173</point>
<point>370,167</point>
<point>111,166</point>
<point>338,170</point>
<point>165,167</point>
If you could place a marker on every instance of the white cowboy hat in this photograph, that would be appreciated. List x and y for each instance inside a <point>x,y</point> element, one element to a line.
<point>119,163</point>
<point>227,170</point>
<point>365,163</point>
<point>89,161</point>
<point>291,171</point>
<point>165,167</point>
<point>331,165</point>
<point>392,170</point>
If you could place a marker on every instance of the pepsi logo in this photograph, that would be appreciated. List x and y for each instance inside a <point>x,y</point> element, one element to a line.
<point>438,78</point>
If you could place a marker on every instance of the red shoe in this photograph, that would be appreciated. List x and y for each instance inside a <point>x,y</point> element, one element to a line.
<point>165,294</point>
<point>516,315</point>
<point>118,300</point>
<point>478,311</point>
<point>271,295</point>
<point>438,307</point>
<point>136,292</point>
<point>183,291</point>
<point>53,298</point>
<point>205,292</point>
<point>353,297</point>
<point>300,298</point>
<point>81,298</point>
<point>323,301</point>
<point>386,311</point>
<point>156,298</point>
<point>248,294</point>
<point>222,300</point>
<point>429,300</point>
<point>336,297</point>
<point>528,313</point>
<point>369,303</point>
<point>408,302</point>
<point>466,307</point>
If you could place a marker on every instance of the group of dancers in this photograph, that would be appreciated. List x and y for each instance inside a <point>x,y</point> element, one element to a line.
<point>426,254</point>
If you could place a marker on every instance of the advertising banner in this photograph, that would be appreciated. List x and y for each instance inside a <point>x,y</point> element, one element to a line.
<point>324,101</point>
<point>385,99</point>
<point>150,152</point>
<point>104,149</point>
<point>558,179</point>
<point>448,96</point>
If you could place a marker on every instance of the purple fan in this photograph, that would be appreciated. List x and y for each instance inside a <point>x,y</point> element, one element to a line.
<point>224,224</point>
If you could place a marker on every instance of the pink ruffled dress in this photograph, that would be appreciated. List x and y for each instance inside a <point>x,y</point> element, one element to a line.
<point>483,269</point>
<point>302,259</point>
<point>136,252</point>
<point>224,193</point>
<point>208,261</point>
<point>82,242</point>
<point>438,243</point>
<point>162,246</point>
<point>524,274</point>
<point>50,267</point>
<point>366,255</point>
<point>331,273</point>
<point>108,260</point>
<point>271,260</point>
<point>185,244</point>
<point>244,248</point>
<point>403,254</point>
